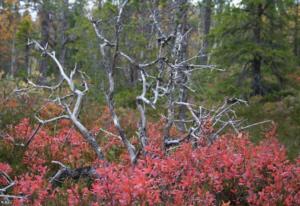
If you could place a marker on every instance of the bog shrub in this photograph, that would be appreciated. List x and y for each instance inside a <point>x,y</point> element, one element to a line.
<point>232,171</point>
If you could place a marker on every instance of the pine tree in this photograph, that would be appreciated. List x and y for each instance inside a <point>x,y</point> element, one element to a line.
<point>253,35</point>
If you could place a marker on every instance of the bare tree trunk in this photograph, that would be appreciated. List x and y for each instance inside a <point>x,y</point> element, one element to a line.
<point>257,85</point>
<point>296,32</point>
<point>133,75</point>
<point>206,11</point>
<point>170,118</point>
<point>27,60</point>
<point>116,121</point>
<point>180,54</point>
<point>110,62</point>
<point>72,114</point>
<point>45,24</point>
<point>13,62</point>
<point>64,28</point>
<point>89,137</point>
<point>99,4</point>
<point>142,124</point>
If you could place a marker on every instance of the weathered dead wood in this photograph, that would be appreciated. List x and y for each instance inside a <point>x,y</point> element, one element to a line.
<point>3,191</point>
<point>77,94</point>
<point>65,172</point>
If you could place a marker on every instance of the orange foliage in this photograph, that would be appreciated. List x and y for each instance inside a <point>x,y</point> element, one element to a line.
<point>12,104</point>
<point>50,110</point>
<point>8,25</point>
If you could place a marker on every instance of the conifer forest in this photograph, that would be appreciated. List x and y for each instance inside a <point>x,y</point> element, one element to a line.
<point>150,102</point>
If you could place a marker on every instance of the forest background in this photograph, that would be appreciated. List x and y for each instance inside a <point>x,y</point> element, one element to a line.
<point>137,64</point>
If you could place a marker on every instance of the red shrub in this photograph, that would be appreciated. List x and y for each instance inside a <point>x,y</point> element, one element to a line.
<point>7,169</point>
<point>232,170</point>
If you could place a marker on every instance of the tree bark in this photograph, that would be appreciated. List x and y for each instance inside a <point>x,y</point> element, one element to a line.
<point>180,54</point>
<point>27,58</point>
<point>99,4</point>
<point>110,62</point>
<point>89,138</point>
<point>206,23</point>
<point>64,28</point>
<point>296,32</point>
<point>45,25</point>
<point>257,86</point>
<point>13,62</point>
<point>181,40</point>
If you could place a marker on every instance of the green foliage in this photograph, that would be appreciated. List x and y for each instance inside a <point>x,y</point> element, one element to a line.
<point>280,105</point>
<point>234,48</point>
<point>25,30</point>
<point>12,109</point>
<point>126,97</point>
<point>253,29</point>
<point>282,112</point>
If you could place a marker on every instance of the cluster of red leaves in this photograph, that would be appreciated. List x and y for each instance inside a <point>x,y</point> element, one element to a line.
<point>33,185</point>
<point>7,169</point>
<point>66,145</point>
<point>232,170</point>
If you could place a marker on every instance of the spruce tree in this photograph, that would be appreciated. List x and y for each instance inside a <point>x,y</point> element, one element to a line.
<point>253,35</point>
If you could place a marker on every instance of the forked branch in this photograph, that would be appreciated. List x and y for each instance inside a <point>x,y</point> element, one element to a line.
<point>71,113</point>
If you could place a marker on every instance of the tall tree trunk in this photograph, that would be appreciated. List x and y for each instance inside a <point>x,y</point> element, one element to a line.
<point>99,4</point>
<point>180,54</point>
<point>257,85</point>
<point>272,42</point>
<point>27,57</point>
<point>45,25</point>
<point>296,32</point>
<point>64,28</point>
<point>133,75</point>
<point>206,12</point>
<point>14,21</point>
<point>13,62</point>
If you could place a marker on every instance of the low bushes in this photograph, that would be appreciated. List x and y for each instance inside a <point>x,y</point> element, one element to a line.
<point>232,171</point>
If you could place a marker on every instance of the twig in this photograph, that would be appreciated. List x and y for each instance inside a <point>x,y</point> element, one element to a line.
<point>255,124</point>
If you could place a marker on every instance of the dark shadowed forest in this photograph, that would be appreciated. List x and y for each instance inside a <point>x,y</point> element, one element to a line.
<point>150,102</point>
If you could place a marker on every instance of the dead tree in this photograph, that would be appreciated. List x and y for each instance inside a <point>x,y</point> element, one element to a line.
<point>106,47</point>
<point>206,10</point>
<point>71,112</point>
<point>180,53</point>
<point>218,120</point>
<point>178,70</point>
<point>110,61</point>
<point>45,33</point>
<point>171,80</point>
